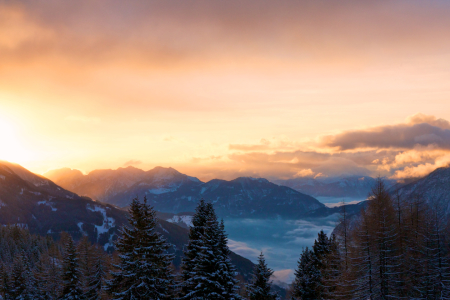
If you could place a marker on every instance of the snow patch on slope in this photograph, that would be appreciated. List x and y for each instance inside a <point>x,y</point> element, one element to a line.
<point>162,190</point>
<point>48,203</point>
<point>181,219</point>
<point>108,222</point>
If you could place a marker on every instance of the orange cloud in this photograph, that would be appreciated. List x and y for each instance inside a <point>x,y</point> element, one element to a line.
<point>417,132</point>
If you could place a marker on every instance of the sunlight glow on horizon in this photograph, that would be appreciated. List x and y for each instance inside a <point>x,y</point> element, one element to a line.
<point>221,91</point>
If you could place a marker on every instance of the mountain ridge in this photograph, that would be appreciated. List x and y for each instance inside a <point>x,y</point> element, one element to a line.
<point>171,191</point>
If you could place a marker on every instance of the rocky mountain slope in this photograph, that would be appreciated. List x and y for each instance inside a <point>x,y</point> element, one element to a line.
<point>170,191</point>
<point>433,187</point>
<point>34,202</point>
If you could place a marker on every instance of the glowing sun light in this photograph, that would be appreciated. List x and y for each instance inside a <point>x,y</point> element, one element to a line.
<point>10,147</point>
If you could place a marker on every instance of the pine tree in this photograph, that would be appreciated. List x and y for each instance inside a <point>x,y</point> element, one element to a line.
<point>18,281</point>
<point>29,292</point>
<point>440,263</point>
<point>41,271</point>
<point>260,284</point>
<point>227,271</point>
<point>363,261</point>
<point>212,275</point>
<point>71,274</point>
<point>96,280</point>
<point>306,285</point>
<point>4,282</point>
<point>144,270</point>
<point>84,251</point>
<point>333,282</point>
<point>193,248</point>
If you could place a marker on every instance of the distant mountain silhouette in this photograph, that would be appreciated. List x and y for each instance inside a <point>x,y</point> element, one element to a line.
<point>339,187</point>
<point>170,191</point>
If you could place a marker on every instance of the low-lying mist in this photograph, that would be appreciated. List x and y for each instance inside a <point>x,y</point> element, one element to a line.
<point>281,240</point>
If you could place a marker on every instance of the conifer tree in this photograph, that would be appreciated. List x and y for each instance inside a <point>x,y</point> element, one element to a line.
<point>227,271</point>
<point>212,275</point>
<point>306,285</point>
<point>96,280</point>
<point>363,262</point>
<point>30,292</point>
<point>71,274</point>
<point>4,281</point>
<point>259,287</point>
<point>192,249</point>
<point>41,271</point>
<point>144,270</point>
<point>18,281</point>
<point>85,261</point>
<point>333,282</point>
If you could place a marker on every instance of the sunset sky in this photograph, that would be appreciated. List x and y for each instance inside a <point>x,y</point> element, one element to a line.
<point>221,89</point>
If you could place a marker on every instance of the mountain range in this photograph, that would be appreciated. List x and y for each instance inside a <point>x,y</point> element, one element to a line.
<point>35,202</point>
<point>171,191</point>
<point>356,187</point>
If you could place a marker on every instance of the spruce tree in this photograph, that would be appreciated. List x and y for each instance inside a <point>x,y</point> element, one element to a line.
<point>227,271</point>
<point>260,284</point>
<point>30,291</point>
<point>71,274</point>
<point>192,248</point>
<point>96,280</point>
<point>333,281</point>
<point>363,266</point>
<point>85,261</point>
<point>18,280</point>
<point>307,277</point>
<point>4,281</point>
<point>144,270</point>
<point>212,274</point>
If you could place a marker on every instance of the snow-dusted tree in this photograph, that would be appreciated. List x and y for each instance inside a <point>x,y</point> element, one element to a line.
<point>30,292</point>
<point>306,285</point>
<point>18,279</point>
<point>259,287</point>
<point>144,271</point>
<point>193,248</point>
<point>96,279</point>
<point>212,275</point>
<point>71,274</point>
<point>227,271</point>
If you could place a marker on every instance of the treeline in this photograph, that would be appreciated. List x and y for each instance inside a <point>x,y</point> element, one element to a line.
<point>35,267</point>
<point>397,248</point>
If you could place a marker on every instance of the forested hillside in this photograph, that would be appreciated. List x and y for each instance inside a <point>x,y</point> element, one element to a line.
<point>396,248</point>
<point>35,267</point>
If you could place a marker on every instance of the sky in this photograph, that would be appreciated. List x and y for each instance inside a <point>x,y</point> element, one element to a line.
<point>221,89</point>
